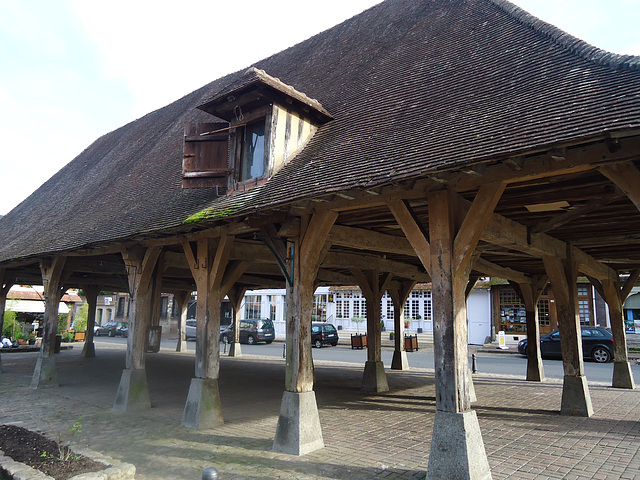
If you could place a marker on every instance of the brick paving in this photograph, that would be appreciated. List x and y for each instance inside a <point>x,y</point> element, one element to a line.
<point>367,436</point>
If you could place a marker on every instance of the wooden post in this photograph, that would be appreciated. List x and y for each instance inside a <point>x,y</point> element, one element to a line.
<point>45,374</point>
<point>373,286</point>
<point>299,430</point>
<point>91,292</point>
<point>615,296</point>
<point>133,391</point>
<point>236,295</point>
<point>530,294</point>
<point>182,299</point>
<point>5,286</point>
<point>399,298</point>
<point>457,441</point>
<point>214,276</point>
<point>563,275</point>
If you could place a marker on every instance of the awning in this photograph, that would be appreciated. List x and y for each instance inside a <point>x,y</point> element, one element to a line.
<point>32,306</point>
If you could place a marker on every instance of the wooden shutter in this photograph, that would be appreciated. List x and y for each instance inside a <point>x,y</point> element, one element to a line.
<point>205,162</point>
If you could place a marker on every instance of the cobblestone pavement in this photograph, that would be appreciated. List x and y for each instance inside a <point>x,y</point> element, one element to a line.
<point>366,435</point>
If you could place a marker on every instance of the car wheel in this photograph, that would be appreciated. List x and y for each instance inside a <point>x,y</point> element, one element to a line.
<point>334,344</point>
<point>268,341</point>
<point>601,355</point>
<point>251,340</point>
<point>318,343</point>
<point>112,333</point>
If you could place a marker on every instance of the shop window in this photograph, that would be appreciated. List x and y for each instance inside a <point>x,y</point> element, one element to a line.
<point>253,306</point>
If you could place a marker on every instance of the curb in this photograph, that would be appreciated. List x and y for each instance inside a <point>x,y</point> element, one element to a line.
<point>117,470</point>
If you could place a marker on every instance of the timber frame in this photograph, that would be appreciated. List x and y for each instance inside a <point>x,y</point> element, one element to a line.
<point>566,203</point>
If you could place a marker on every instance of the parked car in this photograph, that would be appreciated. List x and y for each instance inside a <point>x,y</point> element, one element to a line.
<point>597,344</point>
<point>323,334</point>
<point>111,329</point>
<point>190,329</point>
<point>251,332</point>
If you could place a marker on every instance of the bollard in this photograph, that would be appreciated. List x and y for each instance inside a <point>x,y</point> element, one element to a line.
<point>474,366</point>
<point>210,474</point>
<point>284,351</point>
<point>225,351</point>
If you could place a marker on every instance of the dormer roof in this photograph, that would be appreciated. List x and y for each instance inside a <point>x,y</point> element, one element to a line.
<point>254,89</point>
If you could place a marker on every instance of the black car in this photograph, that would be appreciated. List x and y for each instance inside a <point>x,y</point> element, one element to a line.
<point>323,334</point>
<point>597,343</point>
<point>112,329</point>
<point>251,332</point>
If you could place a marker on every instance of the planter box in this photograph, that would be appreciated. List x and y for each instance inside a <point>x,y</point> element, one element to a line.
<point>410,343</point>
<point>358,341</point>
<point>77,336</point>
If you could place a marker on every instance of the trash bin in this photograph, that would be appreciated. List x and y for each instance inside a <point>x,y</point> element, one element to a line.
<point>56,348</point>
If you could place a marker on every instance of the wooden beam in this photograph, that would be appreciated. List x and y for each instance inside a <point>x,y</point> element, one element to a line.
<point>591,267</point>
<point>362,239</point>
<point>413,231</point>
<point>474,223</point>
<point>494,270</point>
<point>627,177</point>
<point>567,217</point>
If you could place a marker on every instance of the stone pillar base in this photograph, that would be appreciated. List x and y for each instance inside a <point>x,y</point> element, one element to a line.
<point>576,400</point>
<point>622,376</point>
<point>133,391</point>
<point>472,389</point>
<point>203,409</point>
<point>298,431</point>
<point>45,375</point>
<point>535,370</point>
<point>88,350</point>
<point>234,349</point>
<point>399,361</point>
<point>181,346</point>
<point>374,378</point>
<point>457,449</point>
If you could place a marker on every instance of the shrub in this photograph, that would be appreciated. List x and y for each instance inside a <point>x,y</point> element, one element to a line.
<point>10,326</point>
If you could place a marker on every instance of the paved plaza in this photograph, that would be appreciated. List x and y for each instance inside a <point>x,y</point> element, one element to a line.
<point>366,435</point>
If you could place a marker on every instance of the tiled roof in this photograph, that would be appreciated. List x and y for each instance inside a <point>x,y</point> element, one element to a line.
<point>413,86</point>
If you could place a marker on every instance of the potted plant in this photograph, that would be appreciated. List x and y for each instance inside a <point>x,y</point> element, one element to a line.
<point>392,335</point>
<point>20,338</point>
<point>31,339</point>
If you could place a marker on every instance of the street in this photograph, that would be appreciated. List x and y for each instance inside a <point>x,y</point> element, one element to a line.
<point>501,364</point>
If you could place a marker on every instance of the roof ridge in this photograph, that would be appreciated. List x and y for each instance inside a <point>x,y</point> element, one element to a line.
<point>566,40</point>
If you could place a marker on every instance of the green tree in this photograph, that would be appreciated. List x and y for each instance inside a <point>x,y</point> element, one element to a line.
<point>80,322</point>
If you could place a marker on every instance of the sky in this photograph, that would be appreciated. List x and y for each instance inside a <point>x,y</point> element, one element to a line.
<point>74,70</point>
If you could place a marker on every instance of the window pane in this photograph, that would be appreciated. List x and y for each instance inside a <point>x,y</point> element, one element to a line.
<point>253,151</point>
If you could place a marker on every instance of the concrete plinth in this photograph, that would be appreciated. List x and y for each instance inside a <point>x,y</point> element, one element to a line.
<point>374,378</point>
<point>399,361</point>
<point>298,431</point>
<point>457,449</point>
<point>45,375</point>
<point>88,350</point>
<point>133,391</point>
<point>181,346</point>
<point>472,389</point>
<point>622,376</point>
<point>235,350</point>
<point>576,399</point>
<point>203,409</point>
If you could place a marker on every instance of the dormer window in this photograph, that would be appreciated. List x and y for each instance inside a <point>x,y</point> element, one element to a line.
<point>253,163</point>
<point>268,123</point>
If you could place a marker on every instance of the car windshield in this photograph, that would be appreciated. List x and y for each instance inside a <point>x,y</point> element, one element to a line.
<point>265,324</point>
<point>329,328</point>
